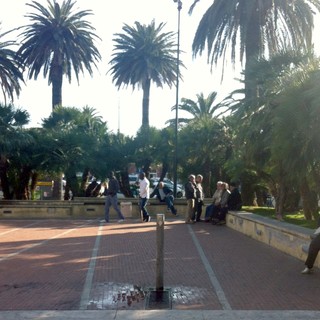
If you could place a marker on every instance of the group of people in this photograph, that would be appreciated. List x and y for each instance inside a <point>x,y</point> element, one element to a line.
<point>162,192</point>
<point>111,190</point>
<point>194,195</point>
<point>224,199</point>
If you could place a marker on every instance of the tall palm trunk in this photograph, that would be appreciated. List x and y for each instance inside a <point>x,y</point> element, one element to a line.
<point>57,187</point>
<point>22,189</point>
<point>145,103</point>
<point>57,74</point>
<point>253,50</point>
<point>5,185</point>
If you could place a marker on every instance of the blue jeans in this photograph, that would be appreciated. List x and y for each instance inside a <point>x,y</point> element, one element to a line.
<point>169,201</point>
<point>112,201</point>
<point>143,203</point>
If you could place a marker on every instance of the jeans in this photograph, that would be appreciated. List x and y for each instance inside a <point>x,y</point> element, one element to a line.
<point>143,203</point>
<point>169,201</point>
<point>313,251</point>
<point>112,201</point>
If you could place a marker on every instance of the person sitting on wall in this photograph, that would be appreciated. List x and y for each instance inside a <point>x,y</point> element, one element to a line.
<point>220,212</point>
<point>235,199</point>
<point>164,194</point>
<point>214,206</point>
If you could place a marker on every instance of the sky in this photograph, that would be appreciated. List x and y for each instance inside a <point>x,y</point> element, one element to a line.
<point>122,109</point>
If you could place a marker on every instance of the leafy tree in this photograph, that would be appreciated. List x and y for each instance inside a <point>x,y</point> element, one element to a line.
<point>10,73</point>
<point>12,138</point>
<point>296,137</point>
<point>280,135</point>
<point>144,54</point>
<point>58,41</point>
<point>206,148</point>
<point>77,137</point>
<point>254,28</point>
<point>203,108</point>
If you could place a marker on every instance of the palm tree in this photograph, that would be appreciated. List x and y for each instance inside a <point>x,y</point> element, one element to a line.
<point>58,41</point>
<point>203,108</point>
<point>143,54</point>
<point>206,148</point>
<point>13,138</point>
<point>10,73</point>
<point>254,27</point>
<point>78,135</point>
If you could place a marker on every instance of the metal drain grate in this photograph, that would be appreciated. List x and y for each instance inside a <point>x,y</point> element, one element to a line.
<point>158,300</point>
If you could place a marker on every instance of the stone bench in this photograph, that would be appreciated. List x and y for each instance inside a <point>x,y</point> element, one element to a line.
<point>291,239</point>
<point>78,208</point>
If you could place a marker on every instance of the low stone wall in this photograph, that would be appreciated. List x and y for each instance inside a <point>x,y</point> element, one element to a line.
<point>288,238</point>
<point>80,208</point>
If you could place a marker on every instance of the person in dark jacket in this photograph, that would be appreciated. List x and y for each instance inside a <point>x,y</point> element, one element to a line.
<point>235,199</point>
<point>111,197</point>
<point>190,191</point>
<point>164,194</point>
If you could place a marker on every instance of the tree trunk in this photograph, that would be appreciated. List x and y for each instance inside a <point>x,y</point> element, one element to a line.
<point>145,104</point>
<point>280,199</point>
<point>34,180</point>
<point>84,182</point>
<point>22,189</point>
<point>309,201</point>
<point>253,51</point>
<point>57,74</point>
<point>57,188</point>
<point>124,184</point>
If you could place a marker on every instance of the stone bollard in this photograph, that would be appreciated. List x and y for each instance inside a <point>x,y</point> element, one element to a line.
<point>160,252</point>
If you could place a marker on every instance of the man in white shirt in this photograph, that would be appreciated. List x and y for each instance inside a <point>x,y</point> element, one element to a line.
<point>144,193</point>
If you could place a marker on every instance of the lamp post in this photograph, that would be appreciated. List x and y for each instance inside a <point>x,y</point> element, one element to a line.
<point>175,165</point>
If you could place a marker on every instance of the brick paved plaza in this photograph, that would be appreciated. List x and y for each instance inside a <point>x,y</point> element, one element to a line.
<point>75,268</point>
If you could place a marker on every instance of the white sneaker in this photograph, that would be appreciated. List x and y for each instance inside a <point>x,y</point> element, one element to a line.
<point>306,271</point>
<point>121,220</point>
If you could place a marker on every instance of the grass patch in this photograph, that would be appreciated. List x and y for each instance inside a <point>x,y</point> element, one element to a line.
<point>296,218</point>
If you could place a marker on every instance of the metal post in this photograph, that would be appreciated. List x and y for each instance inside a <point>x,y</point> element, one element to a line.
<point>175,165</point>
<point>160,252</point>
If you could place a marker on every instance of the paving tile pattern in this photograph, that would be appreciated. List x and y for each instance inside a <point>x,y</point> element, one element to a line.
<point>44,264</point>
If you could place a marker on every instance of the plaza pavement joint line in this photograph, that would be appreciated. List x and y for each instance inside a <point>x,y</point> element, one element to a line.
<point>213,279</point>
<point>88,283</point>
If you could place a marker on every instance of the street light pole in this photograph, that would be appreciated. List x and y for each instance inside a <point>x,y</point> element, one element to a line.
<point>175,165</point>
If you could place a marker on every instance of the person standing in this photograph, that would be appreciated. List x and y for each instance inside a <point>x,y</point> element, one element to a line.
<point>112,188</point>
<point>144,194</point>
<point>199,197</point>
<point>313,251</point>
<point>190,191</point>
